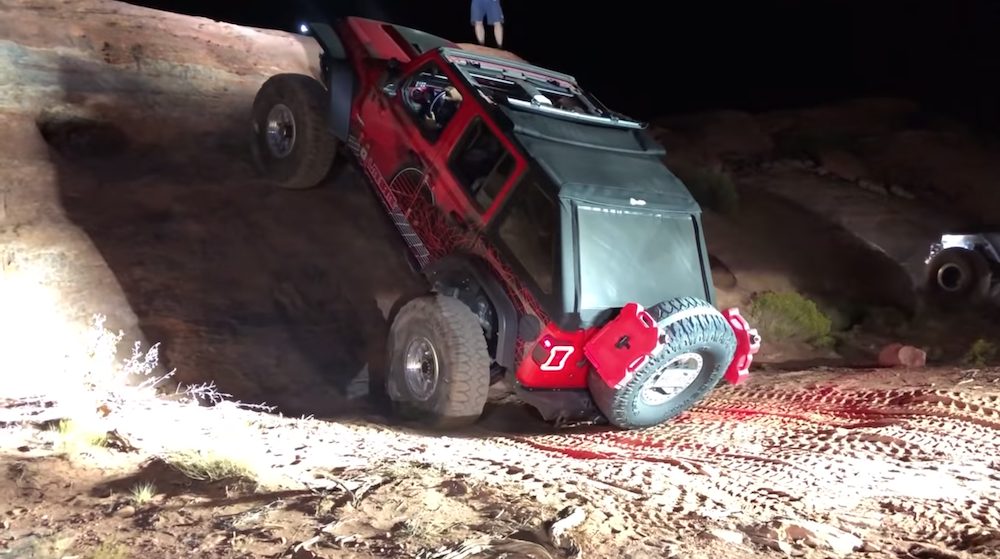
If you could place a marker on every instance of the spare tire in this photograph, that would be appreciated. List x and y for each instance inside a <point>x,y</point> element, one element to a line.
<point>292,142</point>
<point>958,275</point>
<point>700,346</point>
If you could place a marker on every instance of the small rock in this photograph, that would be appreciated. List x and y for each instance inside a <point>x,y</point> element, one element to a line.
<point>454,487</point>
<point>867,547</point>
<point>928,551</point>
<point>776,545</point>
<point>125,512</point>
<point>724,536</point>
<point>615,524</point>
<point>812,534</point>
<point>899,355</point>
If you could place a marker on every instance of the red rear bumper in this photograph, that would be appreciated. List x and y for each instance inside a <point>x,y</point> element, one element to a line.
<point>624,345</point>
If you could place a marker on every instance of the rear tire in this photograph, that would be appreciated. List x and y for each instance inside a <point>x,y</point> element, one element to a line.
<point>958,275</point>
<point>451,392</point>
<point>700,336</point>
<point>292,142</point>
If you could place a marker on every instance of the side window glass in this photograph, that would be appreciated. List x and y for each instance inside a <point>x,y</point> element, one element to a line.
<point>431,99</point>
<point>528,227</point>
<point>481,163</point>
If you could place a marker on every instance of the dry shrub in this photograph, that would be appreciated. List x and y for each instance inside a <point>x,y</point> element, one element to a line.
<point>788,316</point>
<point>981,353</point>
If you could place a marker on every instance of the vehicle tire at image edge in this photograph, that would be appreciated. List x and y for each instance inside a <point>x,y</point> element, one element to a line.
<point>700,347</point>
<point>292,142</point>
<point>439,366</point>
<point>958,275</point>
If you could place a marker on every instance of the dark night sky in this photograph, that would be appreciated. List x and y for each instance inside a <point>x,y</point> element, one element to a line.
<point>647,58</point>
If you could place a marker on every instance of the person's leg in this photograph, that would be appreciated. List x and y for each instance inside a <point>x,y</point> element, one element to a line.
<point>478,13</point>
<point>494,17</point>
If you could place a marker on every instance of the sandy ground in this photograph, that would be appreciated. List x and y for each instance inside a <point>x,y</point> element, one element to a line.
<point>878,461</point>
<point>126,190</point>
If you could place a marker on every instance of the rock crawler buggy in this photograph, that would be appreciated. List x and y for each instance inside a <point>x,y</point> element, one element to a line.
<point>560,253</point>
<point>963,267</point>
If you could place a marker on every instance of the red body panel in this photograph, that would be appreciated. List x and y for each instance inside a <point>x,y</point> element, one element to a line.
<point>556,360</point>
<point>386,142</point>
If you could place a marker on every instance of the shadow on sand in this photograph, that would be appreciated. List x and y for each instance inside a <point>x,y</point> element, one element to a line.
<point>275,296</point>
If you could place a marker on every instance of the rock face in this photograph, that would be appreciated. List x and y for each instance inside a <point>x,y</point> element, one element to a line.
<point>880,170</point>
<point>127,189</point>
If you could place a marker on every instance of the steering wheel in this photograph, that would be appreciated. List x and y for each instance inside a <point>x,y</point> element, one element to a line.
<point>431,109</point>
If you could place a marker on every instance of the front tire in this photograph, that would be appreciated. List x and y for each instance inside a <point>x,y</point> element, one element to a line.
<point>699,349</point>
<point>439,366</point>
<point>293,146</point>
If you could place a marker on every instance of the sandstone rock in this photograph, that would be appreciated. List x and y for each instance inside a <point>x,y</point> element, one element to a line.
<point>857,117</point>
<point>901,192</point>
<point>842,164</point>
<point>721,133</point>
<point>899,355</point>
<point>956,166</point>
<point>872,187</point>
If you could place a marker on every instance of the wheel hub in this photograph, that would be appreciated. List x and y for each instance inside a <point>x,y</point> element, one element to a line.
<point>672,378</point>
<point>421,368</point>
<point>949,277</point>
<point>280,131</point>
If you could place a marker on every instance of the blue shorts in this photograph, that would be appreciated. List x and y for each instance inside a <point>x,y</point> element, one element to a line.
<point>489,9</point>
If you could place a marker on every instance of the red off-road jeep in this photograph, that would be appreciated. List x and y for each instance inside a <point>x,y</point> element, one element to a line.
<point>559,251</point>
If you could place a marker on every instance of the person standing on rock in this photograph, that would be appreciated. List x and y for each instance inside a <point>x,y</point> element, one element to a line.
<point>493,13</point>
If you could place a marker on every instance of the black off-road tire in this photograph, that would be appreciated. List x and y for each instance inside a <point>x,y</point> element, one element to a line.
<point>460,393</point>
<point>693,326</point>
<point>315,145</point>
<point>958,275</point>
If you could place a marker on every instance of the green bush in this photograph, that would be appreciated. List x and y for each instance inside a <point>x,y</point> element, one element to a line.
<point>981,353</point>
<point>788,316</point>
<point>714,190</point>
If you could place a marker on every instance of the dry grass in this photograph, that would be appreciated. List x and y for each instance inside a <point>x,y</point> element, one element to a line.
<point>142,493</point>
<point>110,550</point>
<point>74,437</point>
<point>210,466</point>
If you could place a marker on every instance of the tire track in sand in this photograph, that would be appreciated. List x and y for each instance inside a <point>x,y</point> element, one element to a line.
<point>914,462</point>
<point>920,458</point>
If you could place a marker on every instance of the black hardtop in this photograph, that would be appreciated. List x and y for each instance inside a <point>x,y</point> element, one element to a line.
<point>600,164</point>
